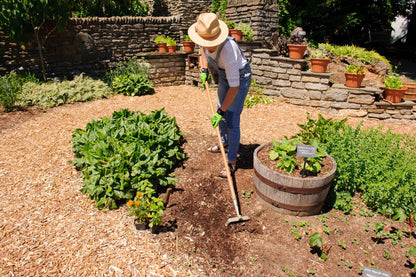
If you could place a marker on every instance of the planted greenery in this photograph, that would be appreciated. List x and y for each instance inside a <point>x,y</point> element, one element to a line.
<point>393,81</point>
<point>52,94</point>
<point>356,69</point>
<point>170,41</point>
<point>255,96</point>
<point>10,90</point>
<point>127,154</point>
<point>160,39</point>
<point>319,54</point>
<point>147,208</point>
<point>356,52</point>
<point>284,151</point>
<point>130,78</point>
<point>246,30</point>
<point>380,165</point>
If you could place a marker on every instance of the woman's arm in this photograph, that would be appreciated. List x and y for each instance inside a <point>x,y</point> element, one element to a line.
<point>204,61</point>
<point>229,98</point>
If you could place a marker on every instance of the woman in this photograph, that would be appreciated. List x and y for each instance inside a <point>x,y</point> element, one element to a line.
<point>234,78</point>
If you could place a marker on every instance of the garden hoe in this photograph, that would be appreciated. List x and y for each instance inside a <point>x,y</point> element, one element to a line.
<point>239,217</point>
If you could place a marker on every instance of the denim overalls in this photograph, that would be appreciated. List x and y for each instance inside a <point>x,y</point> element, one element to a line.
<point>230,124</point>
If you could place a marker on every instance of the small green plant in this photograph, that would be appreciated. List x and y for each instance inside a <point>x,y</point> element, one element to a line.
<point>411,255</point>
<point>255,96</point>
<point>356,69</point>
<point>393,81</point>
<point>387,255</point>
<point>186,38</point>
<point>342,244</point>
<point>147,208</point>
<point>319,54</point>
<point>170,41</point>
<point>315,241</point>
<point>160,39</point>
<point>230,24</point>
<point>246,30</point>
<point>10,90</point>
<point>247,194</point>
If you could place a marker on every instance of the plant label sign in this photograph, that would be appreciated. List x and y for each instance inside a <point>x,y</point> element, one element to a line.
<point>306,151</point>
<point>372,272</point>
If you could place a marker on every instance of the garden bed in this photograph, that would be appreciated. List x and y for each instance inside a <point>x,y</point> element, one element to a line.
<point>49,228</point>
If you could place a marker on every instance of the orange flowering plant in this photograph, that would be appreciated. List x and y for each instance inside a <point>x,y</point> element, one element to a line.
<point>147,208</point>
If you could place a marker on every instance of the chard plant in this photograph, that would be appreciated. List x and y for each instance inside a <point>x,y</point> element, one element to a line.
<point>315,242</point>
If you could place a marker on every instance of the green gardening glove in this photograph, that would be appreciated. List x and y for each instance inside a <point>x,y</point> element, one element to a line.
<point>216,118</point>
<point>204,76</point>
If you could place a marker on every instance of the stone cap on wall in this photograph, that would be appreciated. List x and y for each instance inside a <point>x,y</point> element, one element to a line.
<point>127,19</point>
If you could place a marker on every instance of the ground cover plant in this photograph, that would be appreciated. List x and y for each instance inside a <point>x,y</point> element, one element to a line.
<point>127,157</point>
<point>55,93</point>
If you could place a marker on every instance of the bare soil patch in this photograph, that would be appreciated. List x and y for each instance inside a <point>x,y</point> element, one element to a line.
<point>49,228</point>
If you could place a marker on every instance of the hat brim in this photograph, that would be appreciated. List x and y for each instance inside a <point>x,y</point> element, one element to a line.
<point>211,42</point>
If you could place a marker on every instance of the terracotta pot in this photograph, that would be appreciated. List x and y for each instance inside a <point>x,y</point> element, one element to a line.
<point>162,47</point>
<point>353,80</point>
<point>410,94</point>
<point>394,95</point>
<point>140,225</point>
<point>297,51</point>
<point>319,65</point>
<point>188,46</point>
<point>237,34</point>
<point>171,48</point>
<point>287,194</point>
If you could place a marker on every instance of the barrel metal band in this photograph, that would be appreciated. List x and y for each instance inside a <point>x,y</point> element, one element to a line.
<point>290,189</point>
<point>287,206</point>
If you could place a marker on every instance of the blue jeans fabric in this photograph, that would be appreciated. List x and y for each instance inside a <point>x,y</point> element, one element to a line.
<point>230,124</point>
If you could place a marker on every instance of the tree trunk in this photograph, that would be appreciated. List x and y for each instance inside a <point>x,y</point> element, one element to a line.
<point>42,62</point>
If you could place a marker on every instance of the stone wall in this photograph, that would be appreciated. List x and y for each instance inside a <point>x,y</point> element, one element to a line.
<point>262,15</point>
<point>290,81</point>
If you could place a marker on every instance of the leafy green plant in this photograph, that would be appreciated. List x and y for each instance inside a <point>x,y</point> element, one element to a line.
<point>319,54</point>
<point>10,90</point>
<point>130,78</point>
<point>51,94</point>
<point>186,38</point>
<point>284,151</point>
<point>357,69</point>
<point>246,30</point>
<point>219,6</point>
<point>127,153</point>
<point>147,208</point>
<point>170,41</point>
<point>393,81</point>
<point>315,241</point>
<point>411,254</point>
<point>160,39</point>
<point>255,96</point>
<point>230,24</point>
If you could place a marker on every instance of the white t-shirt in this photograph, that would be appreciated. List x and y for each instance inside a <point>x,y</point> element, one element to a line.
<point>231,60</point>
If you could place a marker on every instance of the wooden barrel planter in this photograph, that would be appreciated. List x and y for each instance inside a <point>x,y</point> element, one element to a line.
<point>291,195</point>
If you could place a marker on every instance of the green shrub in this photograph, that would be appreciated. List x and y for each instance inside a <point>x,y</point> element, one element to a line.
<point>380,165</point>
<point>126,154</point>
<point>52,94</point>
<point>10,89</point>
<point>130,78</point>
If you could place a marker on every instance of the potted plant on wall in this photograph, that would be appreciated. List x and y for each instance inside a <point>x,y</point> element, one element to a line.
<point>188,44</point>
<point>319,61</point>
<point>297,44</point>
<point>232,30</point>
<point>354,75</point>
<point>161,44</point>
<point>247,31</point>
<point>394,89</point>
<point>171,43</point>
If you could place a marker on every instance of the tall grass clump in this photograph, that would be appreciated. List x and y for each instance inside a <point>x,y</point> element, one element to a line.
<point>130,78</point>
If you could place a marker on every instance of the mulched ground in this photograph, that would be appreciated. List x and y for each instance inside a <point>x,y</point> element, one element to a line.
<point>49,228</point>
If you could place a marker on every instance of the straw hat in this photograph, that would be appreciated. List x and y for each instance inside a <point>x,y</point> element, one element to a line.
<point>208,31</point>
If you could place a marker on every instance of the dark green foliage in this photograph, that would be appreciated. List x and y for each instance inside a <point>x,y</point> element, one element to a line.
<point>127,153</point>
<point>219,6</point>
<point>107,8</point>
<point>10,89</point>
